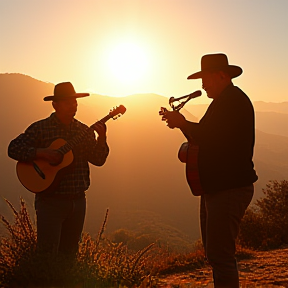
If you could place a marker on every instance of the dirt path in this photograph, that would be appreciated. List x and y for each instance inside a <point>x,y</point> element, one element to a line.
<point>267,269</point>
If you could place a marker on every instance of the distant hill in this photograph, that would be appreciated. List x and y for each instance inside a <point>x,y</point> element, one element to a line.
<point>262,106</point>
<point>140,171</point>
<point>270,158</point>
<point>272,122</point>
<point>21,102</point>
<point>142,175</point>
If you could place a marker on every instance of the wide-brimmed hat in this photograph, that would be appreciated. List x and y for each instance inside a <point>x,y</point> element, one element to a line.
<point>63,91</point>
<point>216,62</point>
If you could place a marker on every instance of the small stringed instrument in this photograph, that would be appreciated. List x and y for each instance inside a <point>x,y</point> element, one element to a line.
<point>41,176</point>
<point>188,152</point>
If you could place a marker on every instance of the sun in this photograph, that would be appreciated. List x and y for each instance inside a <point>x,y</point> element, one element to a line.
<point>128,62</point>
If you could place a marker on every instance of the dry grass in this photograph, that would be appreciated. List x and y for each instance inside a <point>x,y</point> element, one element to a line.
<point>21,244</point>
<point>99,263</point>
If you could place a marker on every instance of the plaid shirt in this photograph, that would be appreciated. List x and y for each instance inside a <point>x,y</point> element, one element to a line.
<point>82,139</point>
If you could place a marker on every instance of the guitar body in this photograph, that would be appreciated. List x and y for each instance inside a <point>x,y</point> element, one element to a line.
<point>31,179</point>
<point>188,153</point>
<point>40,176</point>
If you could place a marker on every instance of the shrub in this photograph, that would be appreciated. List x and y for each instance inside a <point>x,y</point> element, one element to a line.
<point>265,225</point>
<point>133,241</point>
<point>19,247</point>
<point>99,261</point>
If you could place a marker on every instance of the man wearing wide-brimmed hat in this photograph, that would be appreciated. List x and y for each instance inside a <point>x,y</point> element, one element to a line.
<point>225,137</point>
<point>61,207</point>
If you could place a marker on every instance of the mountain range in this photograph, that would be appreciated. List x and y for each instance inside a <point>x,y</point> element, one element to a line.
<point>143,180</point>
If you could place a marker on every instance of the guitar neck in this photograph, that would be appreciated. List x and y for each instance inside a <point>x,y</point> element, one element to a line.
<point>115,113</point>
<point>79,138</point>
<point>104,119</point>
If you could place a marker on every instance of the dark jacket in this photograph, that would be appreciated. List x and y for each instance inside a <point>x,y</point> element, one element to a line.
<point>226,136</point>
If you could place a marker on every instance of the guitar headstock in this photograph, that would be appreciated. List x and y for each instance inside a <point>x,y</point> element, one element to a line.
<point>117,112</point>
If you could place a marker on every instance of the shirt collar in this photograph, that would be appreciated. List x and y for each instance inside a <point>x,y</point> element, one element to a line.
<point>226,91</point>
<point>55,121</point>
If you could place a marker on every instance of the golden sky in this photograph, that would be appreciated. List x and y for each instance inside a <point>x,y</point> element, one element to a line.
<point>123,47</point>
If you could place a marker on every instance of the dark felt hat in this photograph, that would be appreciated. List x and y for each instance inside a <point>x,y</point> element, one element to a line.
<point>216,62</point>
<point>63,91</point>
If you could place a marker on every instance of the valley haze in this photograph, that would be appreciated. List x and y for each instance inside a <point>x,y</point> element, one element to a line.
<point>142,183</point>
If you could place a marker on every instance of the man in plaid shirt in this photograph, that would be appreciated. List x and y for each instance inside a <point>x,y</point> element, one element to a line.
<point>61,212</point>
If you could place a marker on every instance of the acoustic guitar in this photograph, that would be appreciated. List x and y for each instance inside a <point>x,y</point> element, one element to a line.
<point>188,154</point>
<point>41,176</point>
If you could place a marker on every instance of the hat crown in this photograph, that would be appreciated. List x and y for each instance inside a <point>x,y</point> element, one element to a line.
<point>214,61</point>
<point>64,89</point>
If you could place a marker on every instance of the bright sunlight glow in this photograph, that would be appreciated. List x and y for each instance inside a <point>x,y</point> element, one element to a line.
<point>128,62</point>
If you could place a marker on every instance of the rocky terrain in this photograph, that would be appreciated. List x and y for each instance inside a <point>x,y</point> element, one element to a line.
<point>266,269</point>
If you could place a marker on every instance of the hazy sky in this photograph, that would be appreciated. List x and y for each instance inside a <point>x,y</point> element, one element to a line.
<point>121,47</point>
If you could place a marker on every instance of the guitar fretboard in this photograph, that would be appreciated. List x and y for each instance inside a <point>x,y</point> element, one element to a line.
<point>69,145</point>
<point>79,138</point>
<point>73,142</point>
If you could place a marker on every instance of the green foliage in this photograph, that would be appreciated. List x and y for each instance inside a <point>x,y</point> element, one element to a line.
<point>265,225</point>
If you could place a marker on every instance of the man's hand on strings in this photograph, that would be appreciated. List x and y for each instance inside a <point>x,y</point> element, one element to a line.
<point>174,119</point>
<point>100,128</point>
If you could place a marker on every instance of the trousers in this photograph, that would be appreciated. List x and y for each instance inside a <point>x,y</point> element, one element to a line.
<point>220,216</point>
<point>59,223</point>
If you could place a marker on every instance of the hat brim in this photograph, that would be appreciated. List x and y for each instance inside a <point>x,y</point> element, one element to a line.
<point>232,70</point>
<point>58,98</point>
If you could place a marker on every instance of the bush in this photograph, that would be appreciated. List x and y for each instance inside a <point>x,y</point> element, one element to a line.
<point>265,225</point>
<point>99,262</point>
<point>133,241</point>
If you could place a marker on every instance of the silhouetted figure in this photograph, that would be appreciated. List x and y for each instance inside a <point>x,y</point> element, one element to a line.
<point>225,137</point>
<point>61,208</point>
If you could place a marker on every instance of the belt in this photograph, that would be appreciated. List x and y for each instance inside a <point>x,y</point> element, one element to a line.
<point>65,196</point>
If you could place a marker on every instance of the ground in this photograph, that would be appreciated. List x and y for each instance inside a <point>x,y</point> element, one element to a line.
<point>266,269</point>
